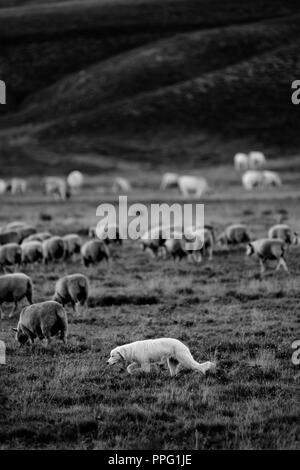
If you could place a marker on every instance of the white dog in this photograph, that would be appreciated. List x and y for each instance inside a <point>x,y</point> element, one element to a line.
<point>141,353</point>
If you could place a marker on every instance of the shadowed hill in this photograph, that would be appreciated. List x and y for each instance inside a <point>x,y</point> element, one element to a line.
<point>154,66</point>
<point>42,44</point>
<point>249,99</point>
<point>180,81</point>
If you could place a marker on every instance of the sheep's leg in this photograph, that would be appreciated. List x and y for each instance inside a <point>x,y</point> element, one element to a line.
<point>13,310</point>
<point>262,266</point>
<point>282,263</point>
<point>133,368</point>
<point>1,313</point>
<point>173,366</point>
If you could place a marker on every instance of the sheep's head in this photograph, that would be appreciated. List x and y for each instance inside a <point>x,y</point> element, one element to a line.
<point>250,249</point>
<point>20,336</point>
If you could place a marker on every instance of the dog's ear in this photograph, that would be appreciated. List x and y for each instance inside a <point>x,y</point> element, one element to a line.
<point>121,355</point>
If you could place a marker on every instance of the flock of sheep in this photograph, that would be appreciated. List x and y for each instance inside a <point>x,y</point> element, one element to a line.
<point>252,166</point>
<point>254,173</point>
<point>22,245</point>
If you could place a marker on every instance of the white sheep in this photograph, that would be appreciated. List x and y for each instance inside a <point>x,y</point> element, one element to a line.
<point>256,160</point>
<point>73,244</point>
<point>268,249</point>
<point>13,288</point>
<point>153,240</point>
<point>75,181</point>
<point>169,180</point>
<point>121,184</point>
<point>3,186</point>
<point>234,234</point>
<point>93,252</point>
<point>271,178</point>
<point>57,187</point>
<point>108,233</point>
<point>32,252</point>
<point>15,225</point>
<point>283,232</point>
<point>252,179</point>
<point>18,186</point>
<point>53,249</point>
<point>199,242</point>
<point>188,185</point>
<point>175,247</point>
<point>241,161</point>
<point>192,185</point>
<point>9,237</point>
<point>37,237</point>
<point>42,320</point>
<point>10,255</point>
<point>73,289</point>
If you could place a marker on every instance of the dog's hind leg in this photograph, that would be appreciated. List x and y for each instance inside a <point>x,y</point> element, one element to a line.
<point>173,366</point>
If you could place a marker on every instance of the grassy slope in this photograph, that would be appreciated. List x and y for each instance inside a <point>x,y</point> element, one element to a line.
<point>156,65</point>
<point>64,397</point>
<point>192,88</point>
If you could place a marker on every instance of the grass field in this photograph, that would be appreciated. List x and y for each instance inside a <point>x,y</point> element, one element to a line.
<point>66,397</point>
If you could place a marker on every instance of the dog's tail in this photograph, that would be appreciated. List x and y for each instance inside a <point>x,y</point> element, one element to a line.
<point>186,359</point>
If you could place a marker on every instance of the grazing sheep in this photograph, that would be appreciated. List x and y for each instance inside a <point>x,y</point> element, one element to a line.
<point>175,247</point>
<point>241,161</point>
<point>108,233</point>
<point>256,160</point>
<point>15,225</point>
<point>9,237</point>
<point>140,355</point>
<point>18,185</point>
<point>57,187</point>
<point>32,252</point>
<point>121,185</point>
<point>73,244</point>
<point>284,232</point>
<point>72,289</point>
<point>252,179</point>
<point>271,178</point>
<point>3,186</point>
<point>93,252</point>
<point>234,235</point>
<point>53,249</point>
<point>268,249</point>
<point>25,232</point>
<point>187,184</point>
<point>42,320</point>
<point>10,255</point>
<point>75,181</point>
<point>153,240</point>
<point>13,288</point>
<point>199,242</point>
<point>169,180</point>
<point>37,237</point>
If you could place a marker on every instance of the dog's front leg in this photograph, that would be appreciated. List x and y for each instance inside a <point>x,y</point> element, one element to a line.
<point>145,367</point>
<point>133,368</point>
